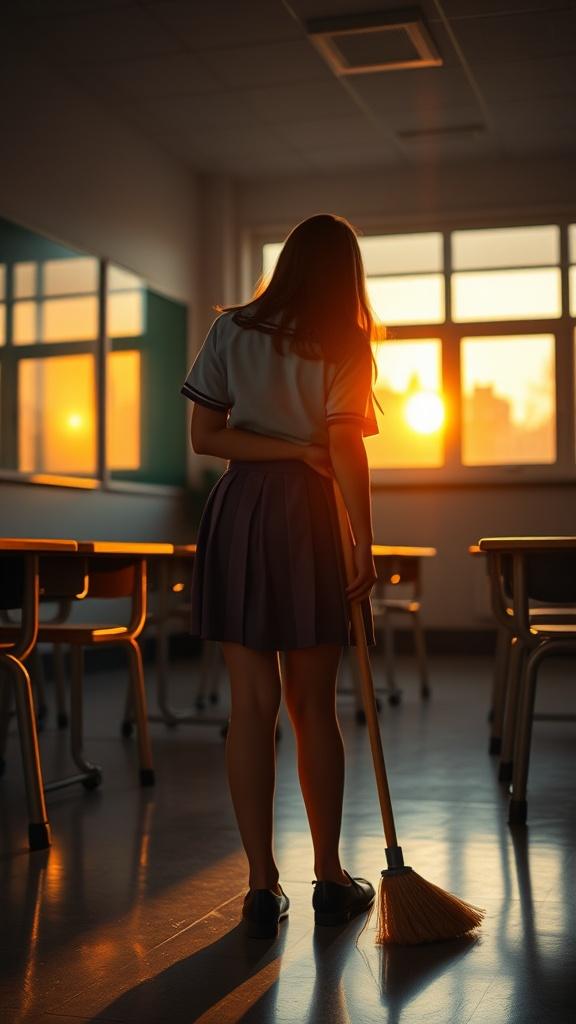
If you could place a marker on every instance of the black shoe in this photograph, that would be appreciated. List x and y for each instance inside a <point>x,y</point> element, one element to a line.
<point>337,904</point>
<point>261,912</point>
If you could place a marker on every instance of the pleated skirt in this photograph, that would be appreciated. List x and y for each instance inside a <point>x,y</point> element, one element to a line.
<point>269,570</point>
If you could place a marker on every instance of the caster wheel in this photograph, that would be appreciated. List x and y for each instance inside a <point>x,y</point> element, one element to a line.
<point>214,698</point>
<point>394,699</point>
<point>360,716</point>
<point>62,720</point>
<point>199,703</point>
<point>224,731</point>
<point>93,780</point>
<point>127,728</point>
<point>426,693</point>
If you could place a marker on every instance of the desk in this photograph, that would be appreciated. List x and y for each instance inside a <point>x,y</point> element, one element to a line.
<point>20,583</point>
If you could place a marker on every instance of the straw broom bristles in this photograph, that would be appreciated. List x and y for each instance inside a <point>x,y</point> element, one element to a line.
<point>411,911</point>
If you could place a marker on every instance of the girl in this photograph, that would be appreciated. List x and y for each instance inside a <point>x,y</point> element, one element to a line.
<point>282,389</point>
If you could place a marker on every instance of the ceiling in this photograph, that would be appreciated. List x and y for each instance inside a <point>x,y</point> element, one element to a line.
<point>236,87</point>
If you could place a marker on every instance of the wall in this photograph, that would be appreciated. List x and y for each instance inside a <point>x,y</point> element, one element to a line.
<point>72,170</point>
<point>448,518</point>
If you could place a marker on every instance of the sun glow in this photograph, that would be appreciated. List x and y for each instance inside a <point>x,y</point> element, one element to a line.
<point>424,412</point>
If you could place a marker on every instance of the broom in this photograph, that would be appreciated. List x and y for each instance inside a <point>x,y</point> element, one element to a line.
<point>410,910</point>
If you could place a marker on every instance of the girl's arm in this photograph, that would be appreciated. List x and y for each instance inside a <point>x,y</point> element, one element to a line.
<point>211,436</point>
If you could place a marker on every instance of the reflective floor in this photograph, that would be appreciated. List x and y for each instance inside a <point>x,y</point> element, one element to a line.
<point>132,915</point>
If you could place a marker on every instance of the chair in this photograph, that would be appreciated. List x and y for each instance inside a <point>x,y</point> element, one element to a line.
<point>522,570</point>
<point>112,576</point>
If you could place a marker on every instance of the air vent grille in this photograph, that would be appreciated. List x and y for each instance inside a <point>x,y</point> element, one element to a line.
<point>379,41</point>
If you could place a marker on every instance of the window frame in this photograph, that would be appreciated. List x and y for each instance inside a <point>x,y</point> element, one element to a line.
<point>563,328</point>
<point>99,347</point>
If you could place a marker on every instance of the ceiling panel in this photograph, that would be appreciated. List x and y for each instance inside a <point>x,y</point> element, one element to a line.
<point>418,93</point>
<point>283,103</point>
<point>344,132</point>
<point>526,79</point>
<point>275,64</point>
<point>166,75</point>
<point>525,36</point>
<point>480,8</point>
<point>98,35</point>
<point>215,24</point>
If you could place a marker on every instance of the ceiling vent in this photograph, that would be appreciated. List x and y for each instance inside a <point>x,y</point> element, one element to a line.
<point>379,41</point>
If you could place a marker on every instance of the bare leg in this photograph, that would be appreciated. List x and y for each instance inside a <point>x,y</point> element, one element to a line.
<point>251,755</point>
<point>310,696</point>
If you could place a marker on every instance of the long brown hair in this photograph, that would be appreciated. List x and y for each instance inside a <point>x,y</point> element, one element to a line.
<point>316,295</point>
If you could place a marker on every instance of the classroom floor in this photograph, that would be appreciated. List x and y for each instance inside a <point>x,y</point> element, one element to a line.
<point>132,915</point>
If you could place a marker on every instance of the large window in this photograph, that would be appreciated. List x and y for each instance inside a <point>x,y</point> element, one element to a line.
<point>90,362</point>
<point>480,344</point>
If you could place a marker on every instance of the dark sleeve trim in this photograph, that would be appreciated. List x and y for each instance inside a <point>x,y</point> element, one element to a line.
<point>354,416</point>
<point>197,396</point>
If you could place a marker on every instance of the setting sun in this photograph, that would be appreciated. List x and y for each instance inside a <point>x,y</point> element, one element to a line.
<point>424,412</point>
<point>74,421</point>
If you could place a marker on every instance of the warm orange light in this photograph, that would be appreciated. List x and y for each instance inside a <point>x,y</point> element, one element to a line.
<point>424,412</point>
<point>178,587</point>
<point>74,421</point>
<point>395,578</point>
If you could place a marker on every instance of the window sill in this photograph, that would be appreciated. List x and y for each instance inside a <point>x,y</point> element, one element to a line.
<point>89,484</point>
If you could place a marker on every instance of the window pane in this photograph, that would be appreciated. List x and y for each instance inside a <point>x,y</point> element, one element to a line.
<point>407,300</point>
<point>24,323</point>
<point>270,253</point>
<point>125,315</point>
<point>2,280</point>
<point>70,276</point>
<point>25,280</point>
<point>123,444</point>
<point>70,319</point>
<point>2,324</point>
<point>409,389</point>
<point>56,415</point>
<point>506,295</point>
<point>506,247</point>
<point>508,400</point>
<point>401,254</point>
<point>122,280</point>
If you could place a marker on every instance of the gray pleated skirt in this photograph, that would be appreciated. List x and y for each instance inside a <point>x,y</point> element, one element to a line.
<point>269,571</point>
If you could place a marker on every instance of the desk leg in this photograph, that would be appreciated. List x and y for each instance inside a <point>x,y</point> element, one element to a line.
<point>139,704</point>
<point>38,827</point>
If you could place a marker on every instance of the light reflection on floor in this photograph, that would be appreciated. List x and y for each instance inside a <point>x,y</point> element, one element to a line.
<point>133,913</point>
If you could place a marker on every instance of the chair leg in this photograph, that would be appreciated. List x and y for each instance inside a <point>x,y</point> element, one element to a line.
<point>420,646</point>
<point>139,704</point>
<point>38,684</point>
<point>92,772</point>
<point>517,810</point>
<point>5,715</point>
<point>514,687</point>
<point>499,688</point>
<point>60,685</point>
<point>38,827</point>
<point>394,693</point>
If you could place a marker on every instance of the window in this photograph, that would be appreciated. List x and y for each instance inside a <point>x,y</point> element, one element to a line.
<point>409,389</point>
<point>508,400</point>
<point>506,274</point>
<point>52,318</point>
<point>467,376</point>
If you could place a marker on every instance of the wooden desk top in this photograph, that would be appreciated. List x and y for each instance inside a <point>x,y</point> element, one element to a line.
<point>378,550</point>
<point>527,543</point>
<point>34,545</point>
<point>120,547</point>
<point>390,551</point>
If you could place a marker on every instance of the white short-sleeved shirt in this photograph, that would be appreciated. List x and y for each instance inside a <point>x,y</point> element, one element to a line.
<point>238,370</point>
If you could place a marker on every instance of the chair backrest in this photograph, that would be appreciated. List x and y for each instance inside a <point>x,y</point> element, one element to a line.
<point>110,577</point>
<point>550,576</point>
<point>11,581</point>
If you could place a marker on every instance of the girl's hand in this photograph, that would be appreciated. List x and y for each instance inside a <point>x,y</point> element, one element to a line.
<point>365,576</point>
<point>318,458</point>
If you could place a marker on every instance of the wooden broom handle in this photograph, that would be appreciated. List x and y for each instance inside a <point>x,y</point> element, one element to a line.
<point>367,685</point>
